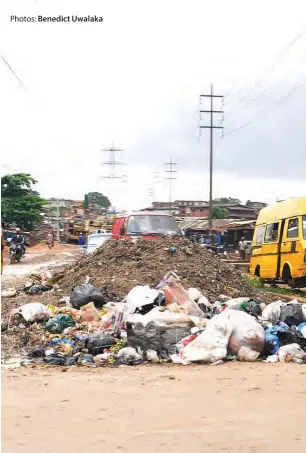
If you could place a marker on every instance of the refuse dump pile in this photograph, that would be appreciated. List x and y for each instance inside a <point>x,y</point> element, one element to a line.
<point>119,265</point>
<point>153,324</point>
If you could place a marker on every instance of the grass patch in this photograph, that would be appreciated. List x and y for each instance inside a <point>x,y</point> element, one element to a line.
<point>256,283</point>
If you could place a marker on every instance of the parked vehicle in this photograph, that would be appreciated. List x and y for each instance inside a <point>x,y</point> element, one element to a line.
<point>279,243</point>
<point>148,225</point>
<point>15,253</point>
<point>95,241</point>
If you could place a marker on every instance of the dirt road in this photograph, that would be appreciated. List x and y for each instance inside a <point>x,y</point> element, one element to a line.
<point>237,407</point>
<point>38,258</point>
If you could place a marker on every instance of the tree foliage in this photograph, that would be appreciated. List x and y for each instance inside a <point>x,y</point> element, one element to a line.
<point>20,204</point>
<point>219,213</point>
<point>97,199</point>
<point>224,200</point>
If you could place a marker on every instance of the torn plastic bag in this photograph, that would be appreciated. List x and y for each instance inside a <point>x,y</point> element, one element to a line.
<point>272,311</point>
<point>161,339</point>
<point>98,341</point>
<point>246,332</point>
<point>246,354</point>
<point>38,352</point>
<point>291,352</point>
<point>59,323</point>
<point>142,299</point>
<point>83,294</point>
<point>84,359</point>
<point>9,292</point>
<point>89,313</point>
<point>129,356</point>
<point>37,289</point>
<point>32,312</point>
<point>237,301</point>
<point>252,308</point>
<point>211,345</point>
<point>272,343</point>
<point>292,314</point>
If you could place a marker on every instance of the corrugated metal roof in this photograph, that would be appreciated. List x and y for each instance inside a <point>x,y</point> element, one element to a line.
<point>203,224</point>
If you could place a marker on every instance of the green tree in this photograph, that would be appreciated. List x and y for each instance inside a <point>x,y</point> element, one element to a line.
<point>219,213</point>
<point>224,200</point>
<point>20,204</point>
<point>96,198</point>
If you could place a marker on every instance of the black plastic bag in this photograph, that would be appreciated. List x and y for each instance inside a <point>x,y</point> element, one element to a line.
<point>83,294</point>
<point>161,339</point>
<point>37,353</point>
<point>97,342</point>
<point>292,314</point>
<point>36,289</point>
<point>55,359</point>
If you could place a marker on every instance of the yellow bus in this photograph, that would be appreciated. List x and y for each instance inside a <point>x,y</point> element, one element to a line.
<point>279,243</point>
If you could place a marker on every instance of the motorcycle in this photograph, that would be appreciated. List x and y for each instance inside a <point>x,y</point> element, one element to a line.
<point>15,253</point>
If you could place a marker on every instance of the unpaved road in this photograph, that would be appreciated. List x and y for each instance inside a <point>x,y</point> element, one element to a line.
<point>236,407</point>
<point>38,259</point>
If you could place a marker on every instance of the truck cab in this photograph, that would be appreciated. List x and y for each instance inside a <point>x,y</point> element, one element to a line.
<point>145,224</point>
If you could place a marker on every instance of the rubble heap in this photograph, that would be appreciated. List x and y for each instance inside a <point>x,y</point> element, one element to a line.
<point>120,265</point>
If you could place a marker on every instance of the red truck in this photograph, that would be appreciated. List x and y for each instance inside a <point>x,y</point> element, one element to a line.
<point>145,224</point>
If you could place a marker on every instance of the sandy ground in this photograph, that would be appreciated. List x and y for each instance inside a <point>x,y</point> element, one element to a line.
<point>236,407</point>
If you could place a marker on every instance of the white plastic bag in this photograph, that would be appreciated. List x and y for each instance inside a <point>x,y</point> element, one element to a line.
<point>140,296</point>
<point>9,292</point>
<point>166,318</point>
<point>246,332</point>
<point>211,345</point>
<point>290,353</point>
<point>33,312</point>
<point>272,311</point>
<point>246,354</point>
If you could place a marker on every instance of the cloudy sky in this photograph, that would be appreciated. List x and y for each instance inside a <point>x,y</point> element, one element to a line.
<point>135,80</point>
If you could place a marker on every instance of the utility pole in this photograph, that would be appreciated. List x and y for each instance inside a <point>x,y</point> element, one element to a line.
<point>170,168</point>
<point>211,127</point>
<point>57,220</point>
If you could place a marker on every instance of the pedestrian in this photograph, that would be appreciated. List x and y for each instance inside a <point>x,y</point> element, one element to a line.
<point>242,248</point>
<point>2,246</point>
<point>50,239</point>
<point>81,240</point>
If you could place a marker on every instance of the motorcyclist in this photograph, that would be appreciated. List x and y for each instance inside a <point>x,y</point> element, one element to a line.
<point>18,238</point>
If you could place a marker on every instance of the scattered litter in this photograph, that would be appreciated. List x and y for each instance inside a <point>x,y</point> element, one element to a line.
<point>9,292</point>
<point>83,294</point>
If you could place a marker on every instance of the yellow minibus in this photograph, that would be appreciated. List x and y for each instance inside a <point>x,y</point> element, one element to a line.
<point>279,243</point>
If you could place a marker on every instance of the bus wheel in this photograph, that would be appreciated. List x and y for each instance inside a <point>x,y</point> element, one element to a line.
<point>257,271</point>
<point>291,283</point>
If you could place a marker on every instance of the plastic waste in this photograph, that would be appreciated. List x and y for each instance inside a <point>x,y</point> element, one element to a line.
<point>9,292</point>
<point>272,343</point>
<point>246,354</point>
<point>83,294</point>
<point>167,318</point>
<point>89,313</point>
<point>59,323</point>
<point>84,359</point>
<point>246,331</point>
<point>292,314</point>
<point>32,312</point>
<point>36,289</point>
<point>129,356</point>
<point>290,352</point>
<point>162,339</point>
<point>302,329</point>
<point>272,311</point>
<point>37,352</point>
<point>97,342</point>
<point>56,359</point>
<point>141,299</point>
<point>271,359</point>
<point>211,345</point>
<point>152,356</point>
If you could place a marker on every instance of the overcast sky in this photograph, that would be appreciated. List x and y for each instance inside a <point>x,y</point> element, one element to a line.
<point>135,80</point>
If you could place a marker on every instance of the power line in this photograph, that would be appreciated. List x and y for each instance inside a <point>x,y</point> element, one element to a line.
<point>113,162</point>
<point>12,70</point>
<point>211,126</point>
<point>259,82</point>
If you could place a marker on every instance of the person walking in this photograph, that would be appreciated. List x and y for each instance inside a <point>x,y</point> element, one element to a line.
<point>81,240</point>
<point>50,239</point>
<point>242,248</point>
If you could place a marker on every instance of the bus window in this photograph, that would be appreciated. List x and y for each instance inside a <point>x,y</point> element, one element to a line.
<point>272,232</point>
<point>260,234</point>
<point>293,228</point>
<point>304,226</point>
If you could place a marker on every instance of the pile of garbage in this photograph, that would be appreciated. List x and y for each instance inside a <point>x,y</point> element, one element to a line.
<point>155,324</point>
<point>120,265</point>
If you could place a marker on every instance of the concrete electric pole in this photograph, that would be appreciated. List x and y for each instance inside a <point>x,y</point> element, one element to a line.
<point>211,127</point>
